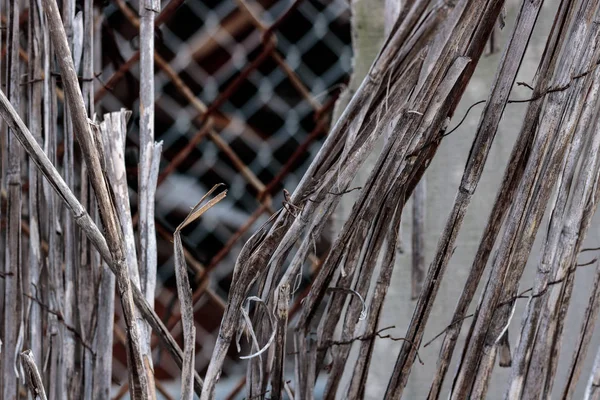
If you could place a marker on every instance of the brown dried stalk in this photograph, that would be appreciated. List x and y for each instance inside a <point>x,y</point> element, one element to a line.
<point>184,292</point>
<point>84,221</point>
<point>418,238</point>
<point>34,380</point>
<point>512,176</point>
<point>139,384</point>
<point>149,160</point>
<point>13,298</point>
<point>522,225</point>
<point>36,204</point>
<point>277,373</point>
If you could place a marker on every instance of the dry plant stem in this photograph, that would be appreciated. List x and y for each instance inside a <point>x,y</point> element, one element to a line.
<point>473,20</point>
<point>33,377</point>
<point>114,145</point>
<point>361,368</point>
<point>570,236</point>
<point>89,272</point>
<point>592,390</point>
<point>519,219</point>
<point>583,341</point>
<point>66,292</point>
<point>103,341</point>
<point>355,148</point>
<point>85,222</point>
<point>13,301</point>
<point>147,267</point>
<point>355,307</point>
<point>343,138</point>
<point>187,318</point>
<point>36,205</point>
<point>534,307</point>
<point>498,329</point>
<point>512,176</point>
<point>589,212</point>
<point>418,238</point>
<point>359,234</point>
<point>139,384</point>
<point>185,296</point>
<point>388,165</point>
<point>282,312</point>
<point>258,251</point>
<point>55,258</point>
<point>359,146</point>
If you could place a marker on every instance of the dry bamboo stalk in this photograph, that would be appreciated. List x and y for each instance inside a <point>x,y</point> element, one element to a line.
<point>3,154</point>
<point>139,384</point>
<point>418,238</point>
<point>13,312</point>
<point>584,338</point>
<point>362,144</point>
<point>433,116</point>
<point>444,47</point>
<point>148,10</point>
<point>572,233</point>
<point>592,391</point>
<point>34,379</point>
<point>36,206</point>
<point>282,313</point>
<point>356,306</point>
<point>66,292</point>
<point>519,220</point>
<point>355,115</point>
<point>345,278</point>
<point>315,297</point>
<point>512,176</point>
<point>54,228</point>
<point>103,340</point>
<point>90,269</point>
<point>523,246</point>
<point>187,318</point>
<point>359,375</point>
<point>184,292</point>
<point>148,163</point>
<point>357,130</point>
<point>544,270</point>
<point>85,222</point>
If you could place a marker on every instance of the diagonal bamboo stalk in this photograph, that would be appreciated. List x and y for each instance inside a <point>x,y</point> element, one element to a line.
<point>511,179</point>
<point>85,222</point>
<point>13,271</point>
<point>139,384</point>
<point>520,220</point>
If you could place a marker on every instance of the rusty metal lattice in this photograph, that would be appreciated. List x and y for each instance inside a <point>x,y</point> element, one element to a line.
<point>244,94</point>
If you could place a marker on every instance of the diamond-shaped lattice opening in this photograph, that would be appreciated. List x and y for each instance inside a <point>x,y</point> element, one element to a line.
<point>185,22</point>
<point>283,153</point>
<point>319,58</point>
<point>266,120</point>
<point>288,93</point>
<point>171,90</point>
<point>295,27</point>
<point>189,161</point>
<point>241,148</point>
<point>339,27</point>
<point>214,60</point>
<point>242,94</point>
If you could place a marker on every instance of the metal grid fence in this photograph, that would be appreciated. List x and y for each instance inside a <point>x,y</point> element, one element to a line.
<point>245,91</point>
